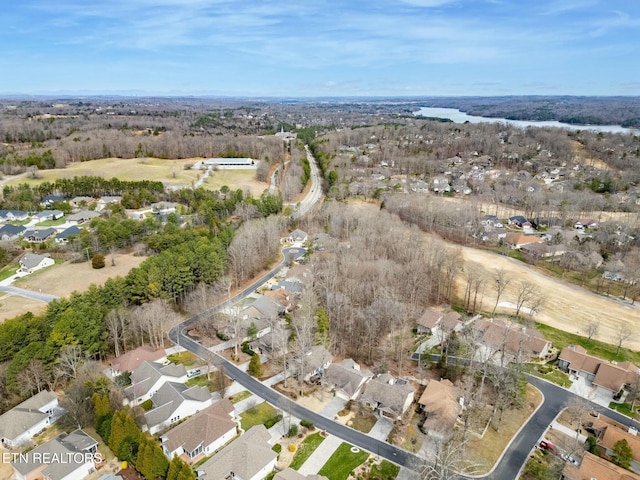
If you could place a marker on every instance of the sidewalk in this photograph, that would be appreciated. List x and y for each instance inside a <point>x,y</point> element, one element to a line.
<point>320,455</point>
<point>568,431</point>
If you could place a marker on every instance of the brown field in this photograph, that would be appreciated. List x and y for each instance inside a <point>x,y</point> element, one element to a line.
<point>567,307</point>
<point>170,172</point>
<point>68,277</point>
<point>12,306</point>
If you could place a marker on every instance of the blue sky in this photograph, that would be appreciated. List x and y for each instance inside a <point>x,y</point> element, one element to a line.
<point>321,48</point>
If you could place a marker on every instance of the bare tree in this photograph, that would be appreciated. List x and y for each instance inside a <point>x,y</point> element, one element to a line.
<point>621,335</point>
<point>117,323</point>
<point>34,377</point>
<point>526,293</point>
<point>501,282</point>
<point>448,461</point>
<point>592,329</point>
<point>69,361</point>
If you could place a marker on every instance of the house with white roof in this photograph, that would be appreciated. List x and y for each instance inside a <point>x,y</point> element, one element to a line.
<point>147,379</point>
<point>22,422</point>
<point>174,402</point>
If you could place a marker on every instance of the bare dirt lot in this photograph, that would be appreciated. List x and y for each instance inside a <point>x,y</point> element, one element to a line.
<point>566,307</point>
<point>12,306</point>
<point>68,277</point>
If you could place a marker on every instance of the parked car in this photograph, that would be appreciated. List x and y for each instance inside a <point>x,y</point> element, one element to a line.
<point>194,373</point>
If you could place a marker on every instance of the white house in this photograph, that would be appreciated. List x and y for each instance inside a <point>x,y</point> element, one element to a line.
<point>47,215</point>
<point>164,208</point>
<point>174,402</point>
<point>202,434</point>
<point>70,456</point>
<point>147,379</point>
<point>297,236</point>
<point>108,200</point>
<point>22,422</point>
<point>32,262</point>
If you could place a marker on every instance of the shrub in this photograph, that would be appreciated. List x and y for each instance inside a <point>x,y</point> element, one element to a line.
<point>291,448</point>
<point>147,405</point>
<point>277,448</point>
<point>293,431</point>
<point>97,261</point>
<point>272,421</point>
<point>306,424</point>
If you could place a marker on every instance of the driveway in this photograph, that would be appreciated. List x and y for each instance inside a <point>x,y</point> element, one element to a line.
<point>320,455</point>
<point>331,409</point>
<point>381,429</point>
<point>585,389</point>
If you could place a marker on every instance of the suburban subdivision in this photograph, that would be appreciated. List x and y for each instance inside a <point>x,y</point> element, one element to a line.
<point>215,289</point>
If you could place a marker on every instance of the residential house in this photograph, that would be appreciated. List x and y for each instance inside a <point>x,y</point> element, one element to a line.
<point>22,422</point>
<point>506,341</point>
<point>264,307</point>
<point>450,322</point>
<point>517,240</point>
<point>314,362</point>
<point>611,376</point>
<point>32,262</point>
<point>108,200</point>
<point>66,234</point>
<point>594,467</point>
<point>83,216</point>
<point>147,379</point>
<point>173,402</point>
<point>293,287</point>
<point>249,457</point>
<point>297,236</point>
<point>163,208</point>
<point>81,201</point>
<point>427,323</point>
<point>388,396</point>
<point>291,474</point>
<point>585,223</point>
<point>11,232</point>
<point>70,456</point>
<point>440,184</point>
<point>128,362</point>
<point>491,221</point>
<point>542,250</point>
<point>202,434</point>
<point>346,379</point>
<point>40,235</point>
<point>45,215</point>
<point>13,215</point>
<point>441,405</point>
<point>49,200</point>
<point>519,221</point>
<point>612,434</point>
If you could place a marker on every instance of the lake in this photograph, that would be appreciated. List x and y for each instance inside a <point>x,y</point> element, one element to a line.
<point>461,117</point>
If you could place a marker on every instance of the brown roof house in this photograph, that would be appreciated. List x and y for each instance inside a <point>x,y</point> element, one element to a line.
<point>22,422</point>
<point>517,240</point>
<point>388,396</point>
<point>441,403</point>
<point>428,321</point>
<point>249,457</point>
<point>346,379</point>
<point>70,456</point>
<point>131,360</point>
<point>203,434</point>
<point>593,467</point>
<point>612,434</point>
<point>611,376</point>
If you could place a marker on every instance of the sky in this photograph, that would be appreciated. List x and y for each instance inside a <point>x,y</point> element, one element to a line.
<point>316,48</point>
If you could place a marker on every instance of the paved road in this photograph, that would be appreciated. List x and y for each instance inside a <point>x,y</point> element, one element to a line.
<point>21,292</point>
<point>315,192</point>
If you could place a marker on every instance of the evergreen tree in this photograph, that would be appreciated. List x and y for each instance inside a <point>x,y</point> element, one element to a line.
<point>255,368</point>
<point>622,453</point>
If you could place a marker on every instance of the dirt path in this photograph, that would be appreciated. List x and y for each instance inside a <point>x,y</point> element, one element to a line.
<point>566,307</point>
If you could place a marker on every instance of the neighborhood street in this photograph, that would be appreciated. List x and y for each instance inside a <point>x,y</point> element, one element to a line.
<point>21,292</point>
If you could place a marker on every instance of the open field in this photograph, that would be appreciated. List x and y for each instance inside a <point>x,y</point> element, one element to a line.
<point>68,277</point>
<point>12,306</point>
<point>567,307</point>
<point>170,172</point>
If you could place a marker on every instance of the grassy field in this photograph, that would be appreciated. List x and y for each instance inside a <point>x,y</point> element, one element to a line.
<point>342,462</point>
<point>363,421</point>
<point>261,414</point>
<point>12,306</point>
<point>170,172</point>
<point>238,397</point>
<point>625,409</point>
<point>306,448</point>
<point>9,270</point>
<point>554,375</point>
<point>384,471</point>
<point>561,339</point>
<point>186,358</point>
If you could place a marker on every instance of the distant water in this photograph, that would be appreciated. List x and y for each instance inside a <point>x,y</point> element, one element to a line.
<point>461,117</point>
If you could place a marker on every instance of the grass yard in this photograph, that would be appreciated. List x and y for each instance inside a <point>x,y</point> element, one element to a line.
<point>553,375</point>
<point>201,381</point>
<point>625,409</point>
<point>186,358</point>
<point>52,223</point>
<point>363,421</point>
<point>261,414</point>
<point>343,462</point>
<point>384,471</point>
<point>561,339</point>
<point>305,449</point>
<point>238,397</point>
<point>9,270</point>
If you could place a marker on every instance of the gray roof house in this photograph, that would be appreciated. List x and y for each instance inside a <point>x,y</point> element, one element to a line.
<point>388,396</point>
<point>63,237</point>
<point>66,457</point>
<point>48,215</point>
<point>48,200</point>
<point>263,307</point>
<point>31,262</point>
<point>82,216</point>
<point>147,379</point>
<point>203,433</point>
<point>297,236</point>
<point>13,215</point>
<point>315,361</point>
<point>174,402</point>
<point>81,201</point>
<point>22,422</point>
<point>11,232</point>
<point>346,379</point>
<point>248,458</point>
<point>38,236</point>
<point>107,200</point>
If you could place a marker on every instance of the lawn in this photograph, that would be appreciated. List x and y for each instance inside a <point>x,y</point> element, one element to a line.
<point>624,408</point>
<point>238,397</point>
<point>343,462</point>
<point>9,270</point>
<point>561,339</point>
<point>305,450</point>
<point>553,375</point>
<point>186,358</point>
<point>384,471</point>
<point>261,414</point>
<point>363,421</point>
<point>52,223</point>
<point>201,381</point>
